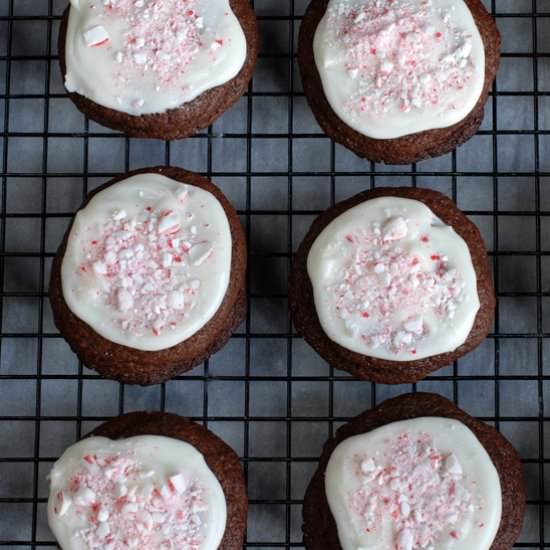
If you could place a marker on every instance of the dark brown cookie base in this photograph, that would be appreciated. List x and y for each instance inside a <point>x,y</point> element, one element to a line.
<point>406,149</point>
<point>307,323</point>
<point>320,532</point>
<point>221,459</point>
<point>134,366</point>
<point>190,117</point>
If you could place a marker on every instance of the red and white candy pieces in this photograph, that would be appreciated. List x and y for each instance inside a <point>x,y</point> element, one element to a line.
<point>425,483</point>
<point>147,261</point>
<point>141,492</point>
<point>390,68</point>
<point>391,281</point>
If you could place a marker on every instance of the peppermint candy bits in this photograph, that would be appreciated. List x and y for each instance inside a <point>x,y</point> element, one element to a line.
<point>120,516</point>
<point>96,36</point>
<point>391,281</point>
<point>142,492</point>
<point>147,262</point>
<point>142,57</point>
<point>395,67</point>
<point>425,483</point>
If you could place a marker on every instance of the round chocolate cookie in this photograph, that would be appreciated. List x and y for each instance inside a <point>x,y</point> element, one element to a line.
<point>137,485</point>
<point>126,336</point>
<point>320,528</point>
<point>403,361</point>
<point>408,146</point>
<point>180,115</point>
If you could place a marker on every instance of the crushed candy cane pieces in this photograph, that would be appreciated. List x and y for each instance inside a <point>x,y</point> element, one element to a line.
<point>143,262</point>
<point>379,280</point>
<point>423,491</point>
<point>122,513</point>
<point>96,36</point>
<point>404,54</point>
<point>163,36</point>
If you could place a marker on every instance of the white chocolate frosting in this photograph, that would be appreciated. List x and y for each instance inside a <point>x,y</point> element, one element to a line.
<point>390,280</point>
<point>425,483</point>
<point>142,492</point>
<point>148,261</point>
<point>390,68</point>
<point>149,56</point>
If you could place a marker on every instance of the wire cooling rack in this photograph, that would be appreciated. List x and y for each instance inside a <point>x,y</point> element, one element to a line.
<point>266,392</point>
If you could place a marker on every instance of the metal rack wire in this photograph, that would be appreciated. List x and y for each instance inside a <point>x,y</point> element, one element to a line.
<point>266,393</point>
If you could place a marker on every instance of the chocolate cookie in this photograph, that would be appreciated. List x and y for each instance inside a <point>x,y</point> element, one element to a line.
<point>141,360</point>
<point>149,491</point>
<point>179,119</point>
<point>408,147</point>
<point>320,531</point>
<point>385,369</point>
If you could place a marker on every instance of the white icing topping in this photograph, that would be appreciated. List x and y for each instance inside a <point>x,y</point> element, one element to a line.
<point>425,483</point>
<point>390,280</point>
<point>141,492</point>
<point>395,67</point>
<point>148,261</point>
<point>148,56</point>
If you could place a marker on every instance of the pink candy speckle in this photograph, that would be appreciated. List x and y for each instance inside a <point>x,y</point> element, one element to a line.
<point>163,36</point>
<point>141,265</point>
<point>423,491</point>
<point>96,36</point>
<point>124,512</point>
<point>405,54</point>
<point>379,281</point>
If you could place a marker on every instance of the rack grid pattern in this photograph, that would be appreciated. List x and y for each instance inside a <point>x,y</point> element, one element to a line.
<point>266,393</point>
